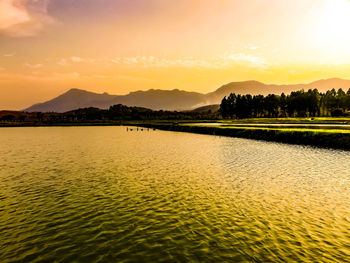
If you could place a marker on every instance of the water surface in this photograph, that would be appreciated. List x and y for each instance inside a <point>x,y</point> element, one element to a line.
<point>101,194</point>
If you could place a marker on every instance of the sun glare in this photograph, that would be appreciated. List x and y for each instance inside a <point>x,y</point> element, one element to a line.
<point>330,25</point>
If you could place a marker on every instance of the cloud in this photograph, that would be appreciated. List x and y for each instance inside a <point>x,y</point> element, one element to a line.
<point>254,47</point>
<point>23,18</point>
<point>37,76</point>
<point>9,55</point>
<point>225,61</point>
<point>71,75</point>
<point>151,61</point>
<point>250,59</point>
<point>34,66</point>
<point>62,62</point>
<point>133,78</point>
<point>120,77</point>
<point>77,59</point>
<point>81,60</point>
<point>228,60</point>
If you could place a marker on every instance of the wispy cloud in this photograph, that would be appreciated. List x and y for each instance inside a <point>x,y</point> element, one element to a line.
<point>227,60</point>
<point>151,61</point>
<point>75,59</point>
<point>37,76</point>
<point>23,18</point>
<point>224,61</point>
<point>71,76</point>
<point>134,78</point>
<point>9,55</point>
<point>63,62</point>
<point>120,77</point>
<point>254,47</point>
<point>34,66</point>
<point>79,59</point>
<point>250,59</point>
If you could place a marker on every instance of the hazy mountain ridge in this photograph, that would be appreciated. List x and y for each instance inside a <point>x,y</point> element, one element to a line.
<point>175,99</point>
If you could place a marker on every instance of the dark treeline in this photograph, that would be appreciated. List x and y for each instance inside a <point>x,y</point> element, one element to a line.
<point>297,104</point>
<point>114,113</point>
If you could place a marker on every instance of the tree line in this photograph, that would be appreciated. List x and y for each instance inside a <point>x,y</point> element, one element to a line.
<point>311,103</point>
<point>114,114</point>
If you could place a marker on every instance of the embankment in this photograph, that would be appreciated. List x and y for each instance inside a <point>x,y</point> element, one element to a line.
<point>313,138</point>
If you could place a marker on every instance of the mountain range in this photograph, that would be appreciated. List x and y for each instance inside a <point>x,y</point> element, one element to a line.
<point>175,99</point>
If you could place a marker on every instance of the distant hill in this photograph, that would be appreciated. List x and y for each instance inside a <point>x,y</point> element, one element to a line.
<point>212,108</point>
<point>256,88</point>
<point>175,99</point>
<point>152,99</point>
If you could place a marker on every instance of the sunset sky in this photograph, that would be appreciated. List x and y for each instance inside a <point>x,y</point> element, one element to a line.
<point>118,46</point>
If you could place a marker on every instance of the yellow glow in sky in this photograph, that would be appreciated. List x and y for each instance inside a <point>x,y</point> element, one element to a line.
<point>329,25</point>
<point>117,46</point>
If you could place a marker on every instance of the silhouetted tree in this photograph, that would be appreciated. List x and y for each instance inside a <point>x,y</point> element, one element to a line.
<point>297,104</point>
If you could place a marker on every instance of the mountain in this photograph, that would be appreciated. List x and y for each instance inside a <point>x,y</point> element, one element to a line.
<point>175,99</point>
<point>203,109</point>
<point>153,99</point>
<point>256,88</point>
<point>73,99</point>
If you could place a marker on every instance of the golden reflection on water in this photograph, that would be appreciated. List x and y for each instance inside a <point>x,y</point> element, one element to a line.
<point>104,194</point>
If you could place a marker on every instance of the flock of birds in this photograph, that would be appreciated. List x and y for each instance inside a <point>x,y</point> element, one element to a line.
<point>137,129</point>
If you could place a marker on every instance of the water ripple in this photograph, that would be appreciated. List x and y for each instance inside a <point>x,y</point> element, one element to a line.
<point>101,194</point>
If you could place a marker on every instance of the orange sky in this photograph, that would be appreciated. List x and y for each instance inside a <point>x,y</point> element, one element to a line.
<point>118,46</point>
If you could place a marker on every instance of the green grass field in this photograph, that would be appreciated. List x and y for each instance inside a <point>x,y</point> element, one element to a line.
<point>316,120</point>
<point>315,130</point>
<point>311,131</point>
<point>315,125</point>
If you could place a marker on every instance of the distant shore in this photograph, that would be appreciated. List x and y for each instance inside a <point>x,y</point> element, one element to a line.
<point>324,138</point>
<point>332,133</point>
<point>70,124</point>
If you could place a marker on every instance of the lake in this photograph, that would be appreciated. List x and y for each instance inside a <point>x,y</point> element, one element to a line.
<point>102,194</point>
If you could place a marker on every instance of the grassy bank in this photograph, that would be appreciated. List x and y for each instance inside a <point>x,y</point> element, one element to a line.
<point>315,120</point>
<point>327,138</point>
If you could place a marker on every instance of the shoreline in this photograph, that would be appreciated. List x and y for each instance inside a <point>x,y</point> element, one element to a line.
<point>81,124</point>
<point>315,137</point>
<point>326,140</point>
